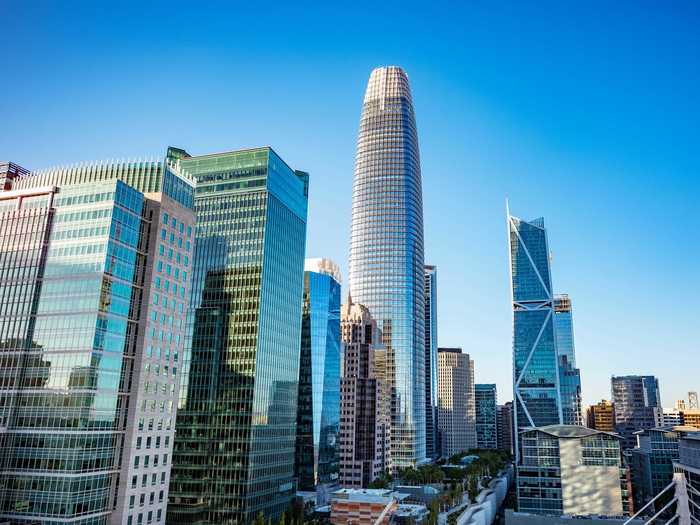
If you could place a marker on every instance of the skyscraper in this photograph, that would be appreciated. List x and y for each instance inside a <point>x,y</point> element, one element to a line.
<point>94,280</point>
<point>365,400</point>
<point>431,347</point>
<point>636,399</point>
<point>386,249</point>
<point>486,416</point>
<point>535,361</point>
<point>318,409</point>
<point>569,375</point>
<point>456,402</point>
<point>236,429</point>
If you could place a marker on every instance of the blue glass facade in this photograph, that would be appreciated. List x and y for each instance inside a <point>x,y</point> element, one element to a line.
<point>386,249</point>
<point>569,375</point>
<point>318,412</point>
<point>486,416</point>
<point>432,448</point>
<point>236,427</point>
<point>535,362</point>
<point>68,278</point>
<point>88,376</point>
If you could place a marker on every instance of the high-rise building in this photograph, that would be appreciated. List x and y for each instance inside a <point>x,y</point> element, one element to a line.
<point>431,346</point>
<point>486,416</point>
<point>236,426</point>
<point>569,375</point>
<point>318,408</point>
<point>536,386</point>
<point>601,416</point>
<point>505,427</point>
<point>652,460</point>
<point>94,280</point>
<point>693,401</point>
<point>365,400</point>
<point>456,403</point>
<point>636,399</point>
<point>386,249</point>
<point>681,404</point>
<point>570,470</point>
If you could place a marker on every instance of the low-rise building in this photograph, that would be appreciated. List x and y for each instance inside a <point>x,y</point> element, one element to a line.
<point>688,464</point>
<point>363,506</point>
<point>653,458</point>
<point>567,469</point>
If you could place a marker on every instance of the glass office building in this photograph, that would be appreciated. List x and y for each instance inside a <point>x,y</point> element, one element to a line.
<point>569,375</point>
<point>535,362</point>
<point>386,249</point>
<point>431,346</point>
<point>93,286</point>
<point>236,426</point>
<point>486,416</point>
<point>318,411</point>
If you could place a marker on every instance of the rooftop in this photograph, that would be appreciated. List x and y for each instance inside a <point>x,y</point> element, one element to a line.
<point>568,431</point>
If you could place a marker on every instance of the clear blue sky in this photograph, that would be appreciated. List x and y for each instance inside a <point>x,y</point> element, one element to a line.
<point>588,115</point>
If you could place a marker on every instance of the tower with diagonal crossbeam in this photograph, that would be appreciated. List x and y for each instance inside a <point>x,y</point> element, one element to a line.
<point>536,383</point>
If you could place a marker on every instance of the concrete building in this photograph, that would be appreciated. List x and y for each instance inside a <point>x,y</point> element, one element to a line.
<point>431,348</point>
<point>690,417</point>
<point>456,401</point>
<point>365,400</point>
<point>236,425</point>
<point>570,470</point>
<point>636,399</point>
<point>652,460</point>
<point>8,172</point>
<point>363,506</point>
<point>316,464</point>
<point>668,417</point>
<point>505,427</point>
<point>601,416</point>
<point>486,416</point>
<point>386,249</point>
<point>94,284</point>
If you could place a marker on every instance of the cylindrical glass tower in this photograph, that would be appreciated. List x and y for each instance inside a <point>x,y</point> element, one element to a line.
<point>386,249</point>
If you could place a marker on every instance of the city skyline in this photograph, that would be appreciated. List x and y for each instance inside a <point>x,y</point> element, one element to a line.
<point>617,196</point>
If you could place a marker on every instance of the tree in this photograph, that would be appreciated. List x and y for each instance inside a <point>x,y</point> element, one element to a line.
<point>259,519</point>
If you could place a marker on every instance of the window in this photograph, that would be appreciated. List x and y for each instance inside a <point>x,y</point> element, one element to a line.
<point>142,500</point>
<point>136,461</point>
<point>134,481</point>
<point>138,442</point>
<point>165,219</point>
